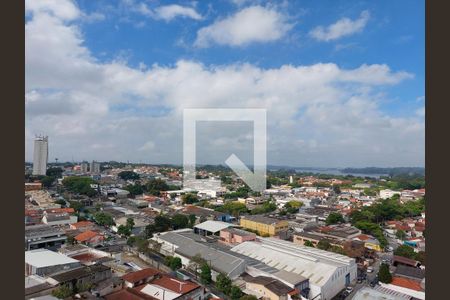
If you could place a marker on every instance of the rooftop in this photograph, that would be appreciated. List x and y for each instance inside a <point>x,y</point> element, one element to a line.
<point>213,226</point>
<point>140,275</point>
<point>77,273</point>
<point>87,235</point>
<point>44,258</point>
<point>261,219</point>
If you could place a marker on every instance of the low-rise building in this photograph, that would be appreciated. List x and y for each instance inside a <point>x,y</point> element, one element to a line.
<point>44,262</point>
<point>264,225</point>
<point>44,236</point>
<point>233,236</point>
<point>267,288</point>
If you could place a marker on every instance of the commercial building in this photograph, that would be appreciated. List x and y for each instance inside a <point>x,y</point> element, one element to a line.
<point>84,275</point>
<point>267,288</point>
<point>84,167</point>
<point>44,262</point>
<point>264,225</point>
<point>40,155</point>
<point>44,236</point>
<point>327,272</point>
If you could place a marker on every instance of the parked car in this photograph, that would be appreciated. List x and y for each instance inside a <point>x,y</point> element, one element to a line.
<point>389,249</point>
<point>369,269</point>
<point>349,289</point>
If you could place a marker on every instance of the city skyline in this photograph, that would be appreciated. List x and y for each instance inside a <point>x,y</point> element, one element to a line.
<point>343,85</point>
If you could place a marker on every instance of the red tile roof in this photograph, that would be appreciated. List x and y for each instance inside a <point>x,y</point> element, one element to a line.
<point>68,210</point>
<point>406,283</point>
<point>134,277</point>
<point>175,284</point>
<point>87,235</point>
<point>82,224</point>
<point>128,294</point>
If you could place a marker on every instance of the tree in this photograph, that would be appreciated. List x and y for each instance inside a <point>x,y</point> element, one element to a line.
<point>336,189</point>
<point>179,221</point>
<point>400,234</point>
<point>70,240</point>
<point>405,251</point>
<point>124,230</point>
<point>77,206</point>
<point>192,219</point>
<point>324,245</point>
<point>128,175</point>
<point>80,185</point>
<point>130,223</point>
<point>293,206</point>
<point>334,218</point>
<point>189,198</point>
<point>54,172</point>
<point>155,186</point>
<point>223,283</point>
<point>248,297</point>
<point>61,202</point>
<point>234,208</point>
<point>62,292</point>
<point>47,181</point>
<point>309,244</point>
<point>235,292</point>
<point>162,223</point>
<point>205,274</point>
<point>103,219</point>
<point>135,189</point>
<point>384,275</point>
<point>173,262</point>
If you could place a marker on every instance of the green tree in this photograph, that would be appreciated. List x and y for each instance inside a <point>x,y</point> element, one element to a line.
<point>293,206</point>
<point>400,234</point>
<point>192,219</point>
<point>309,244</point>
<point>77,206</point>
<point>162,223</point>
<point>405,251</point>
<point>47,181</point>
<point>234,208</point>
<point>189,198</point>
<point>179,221</point>
<point>205,274</point>
<point>323,245</point>
<point>235,292</point>
<point>80,185</point>
<point>173,262</point>
<point>155,186</point>
<point>103,219</point>
<point>130,223</point>
<point>334,218</point>
<point>384,275</point>
<point>248,297</point>
<point>62,292</point>
<point>54,172</point>
<point>61,202</point>
<point>135,189</point>
<point>124,230</point>
<point>70,240</point>
<point>128,175</point>
<point>223,283</point>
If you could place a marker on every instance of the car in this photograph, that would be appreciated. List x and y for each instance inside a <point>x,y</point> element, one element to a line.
<point>369,269</point>
<point>349,289</point>
<point>389,248</point>
<point>359,280</point>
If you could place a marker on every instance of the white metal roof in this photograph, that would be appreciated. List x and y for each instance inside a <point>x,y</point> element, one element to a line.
<point>315,264</point>
<point>213,226</point>
<point>44,258</point>
<point>159,292</point>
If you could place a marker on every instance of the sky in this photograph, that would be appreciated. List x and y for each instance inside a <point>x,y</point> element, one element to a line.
<point>342,81</point>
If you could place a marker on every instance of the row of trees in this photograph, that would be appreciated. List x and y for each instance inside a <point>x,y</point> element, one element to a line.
<point>79,185</point>
<point>152,187</point>
<point>163,223</point>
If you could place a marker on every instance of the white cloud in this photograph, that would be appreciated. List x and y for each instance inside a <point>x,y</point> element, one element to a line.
<point>255,24</point>
<point>318,114</point>
<point>170,12</point>
<point>343,27</point>
<point>166,12</point>
<point>62,9</point>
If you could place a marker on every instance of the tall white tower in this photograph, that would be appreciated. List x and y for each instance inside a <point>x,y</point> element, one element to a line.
<point>40,157</point>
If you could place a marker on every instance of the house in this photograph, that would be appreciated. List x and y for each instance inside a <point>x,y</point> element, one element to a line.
<point>165,287</point>
<point>369,242</point>
<point>387,193</point>
<point>264,225</point>
<point>43,262</point>
<point>58,219</point>
<point>267,288</point>
<point>235,236</point>
<point>90,237</point>
<point>140,277</point>
<point>82,226</point>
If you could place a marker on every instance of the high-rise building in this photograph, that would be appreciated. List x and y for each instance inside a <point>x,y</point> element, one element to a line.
<point>40,156</point>
<point>95,167</point>
<point>84,167</point>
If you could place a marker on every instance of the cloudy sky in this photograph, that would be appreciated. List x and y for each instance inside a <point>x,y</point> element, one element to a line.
<point>342,81</point>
